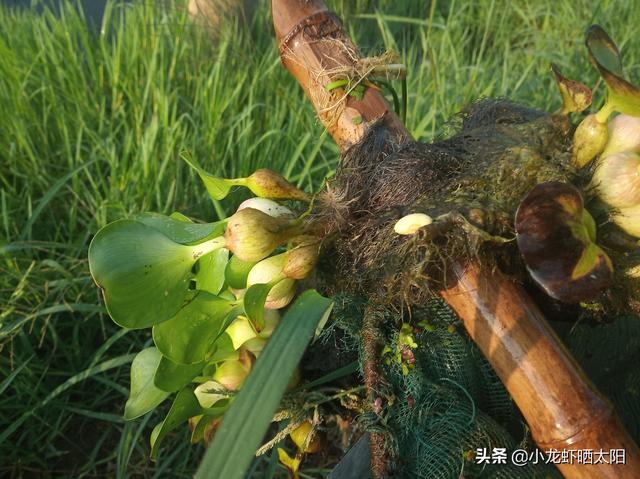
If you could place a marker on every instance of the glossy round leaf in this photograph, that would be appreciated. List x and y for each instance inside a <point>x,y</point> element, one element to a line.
<point>144,396</point>
<point>210,392</point>
<point>181,231</point>
<point>172,376</point>
<point>144,275</point>
<point>184,406</point>
<point>237,272</point>
<point>176,215</point>
<point>188,337</point>
<point>254,300</point>
<point>211,271</point>
<point>223,350</point>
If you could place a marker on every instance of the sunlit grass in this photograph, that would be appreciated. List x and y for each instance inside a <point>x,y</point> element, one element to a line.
<point>92,126</point>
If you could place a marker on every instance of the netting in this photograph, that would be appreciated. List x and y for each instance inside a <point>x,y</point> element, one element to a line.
<point>451,403</point>
<point>448,405</point>
<point>610,353</point>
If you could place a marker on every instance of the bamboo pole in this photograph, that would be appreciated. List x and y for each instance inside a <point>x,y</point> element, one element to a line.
<point>310,62</point>
<point>561,406</point>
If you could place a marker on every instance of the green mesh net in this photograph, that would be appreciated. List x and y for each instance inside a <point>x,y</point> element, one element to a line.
<point>450,403</point>
<point>610,354</point>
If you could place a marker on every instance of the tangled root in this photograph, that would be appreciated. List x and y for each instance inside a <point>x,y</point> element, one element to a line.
<point>470,184</point>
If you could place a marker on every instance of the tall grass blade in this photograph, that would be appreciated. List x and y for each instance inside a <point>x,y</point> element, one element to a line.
<point>248,419</point>
<point>72,381</point>
<point>49,195</point>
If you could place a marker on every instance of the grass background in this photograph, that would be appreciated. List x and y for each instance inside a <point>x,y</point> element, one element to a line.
<point>92,123</point>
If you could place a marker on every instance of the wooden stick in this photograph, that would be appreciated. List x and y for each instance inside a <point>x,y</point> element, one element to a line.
<point>563,409</point>
<point>371,356</point>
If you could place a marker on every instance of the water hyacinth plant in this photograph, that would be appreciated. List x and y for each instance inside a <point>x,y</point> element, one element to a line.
<point>211,294</point>
<point>592,135</point>
<point>616,179</point>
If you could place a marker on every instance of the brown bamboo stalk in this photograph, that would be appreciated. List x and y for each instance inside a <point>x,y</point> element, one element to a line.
<point>561,406</point>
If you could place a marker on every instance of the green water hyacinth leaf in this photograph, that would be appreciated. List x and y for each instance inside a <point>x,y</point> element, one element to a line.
<point>181,231</point>
<point>184,406</point>
<point>218,188</point>
<point>176,215</point>
<point>604,54</point>
<point>244,425</point>
<point>237,310</point>
<point>143,274</point>
<point>254,300</point>
<point>172,376</point>
<point>224,349</point>
<point>241,331</point>
<point>227,294</point>
<point>144,395</point>
<point>211,415</point>
<point>237,272</point>
<point>211,271</point>
<point>188,337</point>
<point>603,51</point>
<point>210,393</point>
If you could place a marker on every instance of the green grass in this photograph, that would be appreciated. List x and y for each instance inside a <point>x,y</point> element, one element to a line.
<point>91,129</point>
